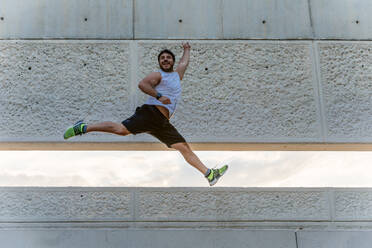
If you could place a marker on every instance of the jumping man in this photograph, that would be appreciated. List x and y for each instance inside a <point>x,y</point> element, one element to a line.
<point>164,89</point>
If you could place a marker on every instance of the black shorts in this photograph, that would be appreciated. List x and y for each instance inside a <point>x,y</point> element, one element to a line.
<point>149,119</point>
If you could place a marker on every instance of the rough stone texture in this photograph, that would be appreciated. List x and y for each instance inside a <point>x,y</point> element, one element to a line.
<point>31,205</point>
<point>336,208</point>
<point>243,91</point>
<point>353,205</point>
<point>230,205</point>
<point>47,86</point>
<point>347,90</point>
<point>232,91</point>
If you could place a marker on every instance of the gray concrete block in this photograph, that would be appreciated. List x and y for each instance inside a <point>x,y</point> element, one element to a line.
<point>353,205</point>
<point>66,19</point>
<point>339,239</point>
<point>346,89</point>
<point>64,205</point>
<point>146,238</point>
<point>179,205</point>
<point>177,19</point>
<point>47,86</point>
<point>273,19</point>
<point>243,91</point>
<point>342,19</point>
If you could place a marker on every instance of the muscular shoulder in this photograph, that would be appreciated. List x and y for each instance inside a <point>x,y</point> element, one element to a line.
<point>155,75</point>
<point>153,78</point>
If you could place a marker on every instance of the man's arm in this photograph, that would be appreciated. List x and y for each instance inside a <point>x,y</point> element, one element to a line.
<point>184,62</point>
<point>147,85</point>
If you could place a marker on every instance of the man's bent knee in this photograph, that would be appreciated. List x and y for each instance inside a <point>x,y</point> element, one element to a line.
<point>182,147</point>
<point>122,130</point>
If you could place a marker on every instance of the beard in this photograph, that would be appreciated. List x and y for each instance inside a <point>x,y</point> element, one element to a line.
<point>167,69</point>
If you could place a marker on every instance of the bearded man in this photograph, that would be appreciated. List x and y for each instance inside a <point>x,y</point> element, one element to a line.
<point>164,90</point>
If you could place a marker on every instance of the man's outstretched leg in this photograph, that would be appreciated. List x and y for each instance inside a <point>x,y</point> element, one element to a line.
<point>80,128</point>
<point>212,175</point>
<point>108,127</point>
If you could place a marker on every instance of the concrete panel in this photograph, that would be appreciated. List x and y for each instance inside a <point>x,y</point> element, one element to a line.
<point>66,19</point>
<point>339,239</point>
<point>353,205</point>
<point>342,19</point>
<point>146,238</point>
<point>47,86</point>
<point>178,19</point>
<point>64,205</point>
<point>243,91</point>
<point>181,205</point>
<point>345,71</point>
<point>269,19</point>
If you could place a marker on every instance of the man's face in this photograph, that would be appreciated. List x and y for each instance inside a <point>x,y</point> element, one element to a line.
<point>166,62</point>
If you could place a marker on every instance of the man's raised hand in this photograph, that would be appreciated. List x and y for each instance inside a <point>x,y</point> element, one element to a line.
<point>186,45</point>
<point>184,62</point>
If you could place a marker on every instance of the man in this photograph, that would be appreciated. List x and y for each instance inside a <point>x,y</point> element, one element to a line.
<point>164,89</point>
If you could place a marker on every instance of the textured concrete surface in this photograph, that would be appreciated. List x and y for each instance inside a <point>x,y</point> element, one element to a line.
<point>47,86</point>
<point>185,204</point>
<point>231,205</point>
<point>185,217</point>
<point>353,205</point>
<point>233,91</point>
<point>97,19</point>
<point>345,69</point>
<point>243,91</point>
<point>58,204</point>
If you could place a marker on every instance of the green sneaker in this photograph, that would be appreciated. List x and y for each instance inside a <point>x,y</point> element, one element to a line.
<point>77,129</point>
<point>216,174</point>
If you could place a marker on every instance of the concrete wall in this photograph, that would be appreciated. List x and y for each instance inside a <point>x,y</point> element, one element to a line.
<point>178,19</point>
<point>166,217</point>
<point>61,19</point>
<point>233,91</point>
<point>260,71</point>
<point>279,88</point>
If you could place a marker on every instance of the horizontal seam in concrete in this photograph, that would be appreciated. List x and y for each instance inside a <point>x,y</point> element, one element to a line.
<point>293,224</point>
<point>182,189</point>
<point>184,221</point>
<point>175,39</point>
<point>148,146</point>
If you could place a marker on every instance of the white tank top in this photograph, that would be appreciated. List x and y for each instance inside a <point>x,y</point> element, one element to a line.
<point>169,86</point>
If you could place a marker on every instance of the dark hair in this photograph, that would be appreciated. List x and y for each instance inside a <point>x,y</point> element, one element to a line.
<point>167,51</point>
